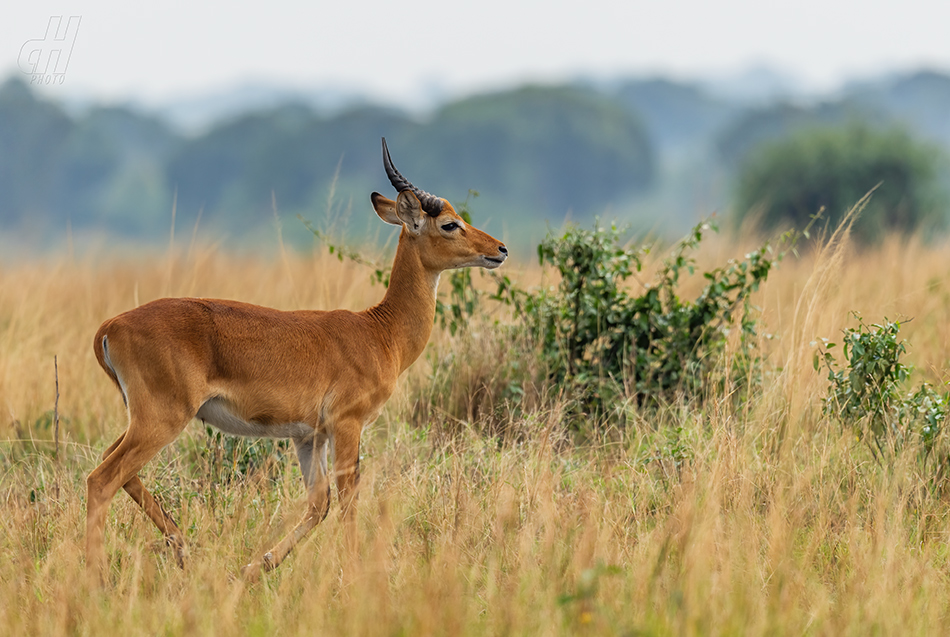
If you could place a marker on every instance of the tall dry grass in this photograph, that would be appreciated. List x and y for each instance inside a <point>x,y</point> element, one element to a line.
<point>762,519</point>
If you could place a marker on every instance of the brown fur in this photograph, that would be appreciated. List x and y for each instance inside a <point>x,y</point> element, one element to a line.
<point>318,375</point>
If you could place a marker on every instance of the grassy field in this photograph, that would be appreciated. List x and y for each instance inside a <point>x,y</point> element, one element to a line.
<point>761,517</point>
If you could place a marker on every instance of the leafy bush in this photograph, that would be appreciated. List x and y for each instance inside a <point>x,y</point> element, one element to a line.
<point>605,343</point>
<point>870,395</point>
<point>790,180</point>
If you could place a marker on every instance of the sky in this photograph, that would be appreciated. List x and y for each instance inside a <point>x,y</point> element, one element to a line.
<point>392,51</point>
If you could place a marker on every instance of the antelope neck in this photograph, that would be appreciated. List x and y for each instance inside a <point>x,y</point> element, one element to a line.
<point>407,311</point>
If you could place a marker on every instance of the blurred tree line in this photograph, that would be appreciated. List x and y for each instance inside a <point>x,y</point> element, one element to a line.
<point>534,153</point>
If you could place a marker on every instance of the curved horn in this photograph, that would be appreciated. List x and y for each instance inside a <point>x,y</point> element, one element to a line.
<point>430,203</point>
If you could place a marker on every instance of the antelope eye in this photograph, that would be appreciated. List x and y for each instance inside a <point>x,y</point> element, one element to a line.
<point>449,227</point>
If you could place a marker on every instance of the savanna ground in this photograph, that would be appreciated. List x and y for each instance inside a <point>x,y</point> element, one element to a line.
<point>756,516</point>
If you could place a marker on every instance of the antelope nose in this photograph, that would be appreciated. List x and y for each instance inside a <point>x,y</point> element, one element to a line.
<point>503,250</point>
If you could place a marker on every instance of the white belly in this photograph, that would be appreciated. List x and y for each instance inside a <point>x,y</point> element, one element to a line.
<point>215,412</point>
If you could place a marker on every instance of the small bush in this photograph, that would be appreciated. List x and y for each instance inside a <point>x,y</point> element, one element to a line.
<point>870,393</point>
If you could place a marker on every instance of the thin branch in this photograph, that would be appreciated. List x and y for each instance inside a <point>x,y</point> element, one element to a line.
<point>56,407</point>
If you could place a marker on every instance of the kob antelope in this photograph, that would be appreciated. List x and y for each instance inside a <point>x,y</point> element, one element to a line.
<point>316,377</point>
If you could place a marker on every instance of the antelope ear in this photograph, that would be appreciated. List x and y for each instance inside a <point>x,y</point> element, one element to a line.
<point>385,208</point>
<point>409,211</point>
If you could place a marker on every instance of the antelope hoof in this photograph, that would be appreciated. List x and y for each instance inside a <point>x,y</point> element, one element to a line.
<point>267,562</point>
<point>251,572</point>
<point>177,545</point>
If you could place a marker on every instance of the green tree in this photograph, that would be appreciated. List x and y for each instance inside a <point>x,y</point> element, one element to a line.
<point>544,149</point>
<point>776,122</point>
<point>99,168</point>
<point>33,134</point>
<point>789,180</point>
<point>109,172</point>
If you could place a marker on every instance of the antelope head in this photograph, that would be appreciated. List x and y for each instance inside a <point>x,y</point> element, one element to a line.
<point>443,238</point>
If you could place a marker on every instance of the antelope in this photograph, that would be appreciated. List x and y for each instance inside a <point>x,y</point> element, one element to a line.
<point>316,377</point>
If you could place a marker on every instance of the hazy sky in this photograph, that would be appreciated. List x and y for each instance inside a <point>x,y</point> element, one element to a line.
<point>163,50</point>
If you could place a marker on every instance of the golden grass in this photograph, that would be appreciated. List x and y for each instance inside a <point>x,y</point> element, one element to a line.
<point>767,520</point>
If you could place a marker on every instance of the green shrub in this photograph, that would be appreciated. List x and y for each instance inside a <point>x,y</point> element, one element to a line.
<point>869,394</point>
<point>605,344</point>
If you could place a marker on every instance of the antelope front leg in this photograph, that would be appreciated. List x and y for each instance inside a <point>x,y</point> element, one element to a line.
<point>316,512</point>
<point>314,471</point>
<point>346,467</point>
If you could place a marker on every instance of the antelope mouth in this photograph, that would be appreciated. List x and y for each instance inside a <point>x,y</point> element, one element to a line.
<point>495,261</point>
